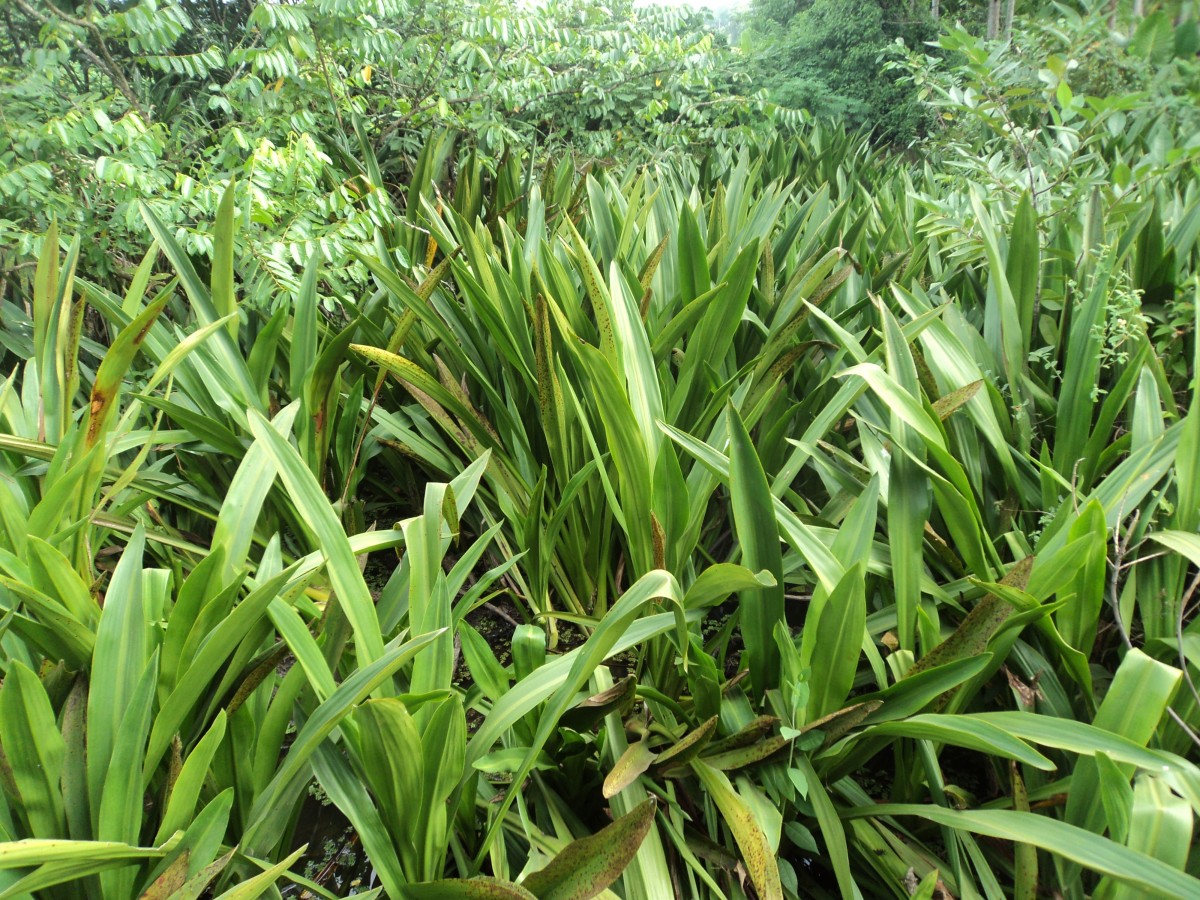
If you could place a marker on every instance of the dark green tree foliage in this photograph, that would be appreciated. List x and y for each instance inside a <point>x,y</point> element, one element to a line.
<point>827,57</point>
<point>105,105</point>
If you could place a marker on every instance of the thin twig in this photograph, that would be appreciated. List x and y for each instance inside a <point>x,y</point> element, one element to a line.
<point>1119,550</point>
<point>1183,663</point>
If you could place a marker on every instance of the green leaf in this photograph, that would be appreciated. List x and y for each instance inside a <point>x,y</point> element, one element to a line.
<point>34,750</point>
<point>225,348</point>
<point>264,822</point>
<point>185,792</point>
<point>1182,542</point>
<point>354,598</point>
<point>1068,841</point>
<point>392,766</point>
<point>1023,265</point>
<point>1136,701</point>
<point>122,800</point>
<point>835,653</point>
<point>221,280</point>
<point>964,731</point>
<point>629,452</point>
<point>302,352</point>
<point>255,887</point>
<point>915,692</point>
<point>118,662</point>
<point>558,682</point>
<point>1160,823</point>
<point>758,535</point>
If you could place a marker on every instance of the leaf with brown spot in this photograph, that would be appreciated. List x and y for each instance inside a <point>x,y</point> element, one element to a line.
<point>173,878</point>
<point>755,849</point>
<point>468,889</point>
<point>407,320</point>
<point>587,714</point>
<point>1025,857</point>
<point>945,406</point>
<point>838,723</point>
<point>460,393</point>
<point>587,866</point>
<point>754,730</point>
<point>747,756</point>
<point>646,275</point>
<point>110,376</point>
<point>198,883</point>
<point>431,281</point>
<point>972,636</point>
<point>45,288</point>
<point>767,286</point>
<point>660,542</point>
<point>413,376</point>
<point>689,746</point>
<point>597,294</point>
<point>636,759</point>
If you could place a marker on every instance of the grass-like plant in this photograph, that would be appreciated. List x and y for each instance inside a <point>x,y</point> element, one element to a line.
<point>849,537</point>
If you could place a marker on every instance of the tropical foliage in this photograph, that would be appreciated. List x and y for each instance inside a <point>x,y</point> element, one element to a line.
<point>549,507</point>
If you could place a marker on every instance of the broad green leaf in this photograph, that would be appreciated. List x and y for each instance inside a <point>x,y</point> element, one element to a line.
<point>255,887</point>
<point>758,535</point>
<point>557,683</point>
<point>839,636</point>
<point>34,751</point>
<point>221,280</point>
<point>831,827</point>
<point>185,792</point>
<point>264,820</point>
<point>964,731</point>
<point>118,662</point>
<point>1068,841</point>
<point>122,801</point>
<point>1161,823</point>
<point>354,598</point>
<point>1136,701</point>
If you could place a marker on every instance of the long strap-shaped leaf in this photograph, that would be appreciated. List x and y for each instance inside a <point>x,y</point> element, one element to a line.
<point>1083,847</point>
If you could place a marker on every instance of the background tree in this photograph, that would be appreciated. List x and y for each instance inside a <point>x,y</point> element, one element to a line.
<point>283,96</point>
<point>825,56</point>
